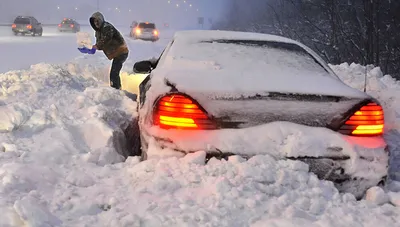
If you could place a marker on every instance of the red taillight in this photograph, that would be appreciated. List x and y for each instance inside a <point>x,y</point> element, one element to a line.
<point>29,26</point>
<point>59,25</point>
<point>71,25</point>
<point>13,25</point>
<point>177,111</point>
<point>367,121</point>
<point>155,32</point>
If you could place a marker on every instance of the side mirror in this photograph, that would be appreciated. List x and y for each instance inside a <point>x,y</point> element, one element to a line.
<point>142,67</point>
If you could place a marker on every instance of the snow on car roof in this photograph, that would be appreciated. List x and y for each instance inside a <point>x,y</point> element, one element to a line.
<point>216,62</point>
<point>201,35</point>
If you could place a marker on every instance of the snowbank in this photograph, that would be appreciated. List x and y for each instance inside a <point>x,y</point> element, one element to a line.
<point>61,102</point>
<point>387,90</point>
<point>59,167</point>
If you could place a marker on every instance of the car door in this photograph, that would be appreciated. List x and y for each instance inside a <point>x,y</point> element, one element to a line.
<point>36,25</point>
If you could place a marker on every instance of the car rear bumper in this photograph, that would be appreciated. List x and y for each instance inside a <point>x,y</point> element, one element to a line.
<point>146,37</point>
<point>354,164</point>
<point>66,29</point>
<point>22,31</point>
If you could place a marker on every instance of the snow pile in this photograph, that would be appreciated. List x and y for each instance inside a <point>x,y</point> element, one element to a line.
<point>61,129</point>
<point>60,101</point>
<point>84,39</point>
<point>387,91</point>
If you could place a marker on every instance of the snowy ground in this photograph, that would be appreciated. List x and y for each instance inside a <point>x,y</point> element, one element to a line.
<point>59,128</point>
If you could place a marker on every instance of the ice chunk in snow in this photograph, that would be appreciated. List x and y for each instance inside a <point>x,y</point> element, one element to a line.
<point>83,39</point>
<point>196,158</point>
<point>377,195</point>
<point>394,198</point>
<point>34,214</point>
<point>13,116</point>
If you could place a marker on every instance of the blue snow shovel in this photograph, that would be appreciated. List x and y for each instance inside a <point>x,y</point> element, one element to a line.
<point>85,50</point>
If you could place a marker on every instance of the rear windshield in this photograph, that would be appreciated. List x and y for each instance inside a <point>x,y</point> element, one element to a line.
<point>67,22</point>
<point>270,52</point>
<point>246,59</point>
<point>22,20</point>
<point>149,25</point>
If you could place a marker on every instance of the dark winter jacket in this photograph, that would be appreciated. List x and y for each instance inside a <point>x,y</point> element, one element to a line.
<point>108,38</point>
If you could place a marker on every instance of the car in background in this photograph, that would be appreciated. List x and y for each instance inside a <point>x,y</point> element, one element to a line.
<point>27,25</point>
<point>239,93</point>
<point>132,28</point>
<point>145,31</point>
<point>69,25</point>
<point>166,25</point>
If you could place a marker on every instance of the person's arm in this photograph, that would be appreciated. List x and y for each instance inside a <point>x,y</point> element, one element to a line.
<point>105,38</point>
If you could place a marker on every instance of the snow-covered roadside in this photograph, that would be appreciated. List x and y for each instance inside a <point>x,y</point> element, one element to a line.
<point>387,90</point>
<point>58,168</point>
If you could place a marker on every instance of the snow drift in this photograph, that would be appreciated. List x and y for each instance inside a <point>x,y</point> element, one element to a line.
<point>59,167</point>
<point>387,90</point>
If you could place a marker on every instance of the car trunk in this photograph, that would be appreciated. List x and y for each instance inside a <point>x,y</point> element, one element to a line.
<point>311,110</point>
<point>66,25</point>
<point>22,27</point>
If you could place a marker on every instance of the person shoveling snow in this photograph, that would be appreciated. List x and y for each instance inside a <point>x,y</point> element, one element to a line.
<point>111,42</point>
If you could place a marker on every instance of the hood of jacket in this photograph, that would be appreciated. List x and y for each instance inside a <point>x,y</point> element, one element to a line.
<point>98,16</point>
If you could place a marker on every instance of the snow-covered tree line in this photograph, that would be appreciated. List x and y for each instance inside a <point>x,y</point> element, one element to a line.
<point>362,31</point>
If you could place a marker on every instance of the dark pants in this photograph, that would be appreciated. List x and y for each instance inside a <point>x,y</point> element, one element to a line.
<point>115,80</point>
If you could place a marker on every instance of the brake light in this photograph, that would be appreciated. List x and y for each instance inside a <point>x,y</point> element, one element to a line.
<point>367,121</point>
<point>138,30</point>
<point>178,111</point>
<point>155,32</point>
<point>59,25</point>
<point>29,26</point>
<point>71,25</point>
<point>13,25</point>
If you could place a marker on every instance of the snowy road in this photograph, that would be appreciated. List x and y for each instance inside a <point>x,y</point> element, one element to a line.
<point>54,47</point>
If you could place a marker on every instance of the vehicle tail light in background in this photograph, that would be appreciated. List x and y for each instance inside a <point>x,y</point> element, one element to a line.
<point>178,111</point>
<point>138,31</point>
<point>71,25</point>
<point>59,25</point>
<point>367,121</point>
<point>13,25</point>
<point>155,32</point>
<point>29,26</point>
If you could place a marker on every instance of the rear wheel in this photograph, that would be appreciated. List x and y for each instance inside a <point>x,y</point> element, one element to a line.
<point>132,134</point>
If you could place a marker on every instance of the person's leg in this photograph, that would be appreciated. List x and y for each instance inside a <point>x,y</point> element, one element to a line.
<point>115,80</point>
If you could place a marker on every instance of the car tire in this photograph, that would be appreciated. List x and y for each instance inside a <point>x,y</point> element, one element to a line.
<point>132,134</point>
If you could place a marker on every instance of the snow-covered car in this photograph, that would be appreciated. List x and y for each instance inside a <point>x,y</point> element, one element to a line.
<point>145,31</point>
<point>249,94</point>
<point>69,25</point>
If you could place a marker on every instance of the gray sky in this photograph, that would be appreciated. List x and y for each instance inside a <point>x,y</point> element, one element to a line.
<point>179,12</point>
